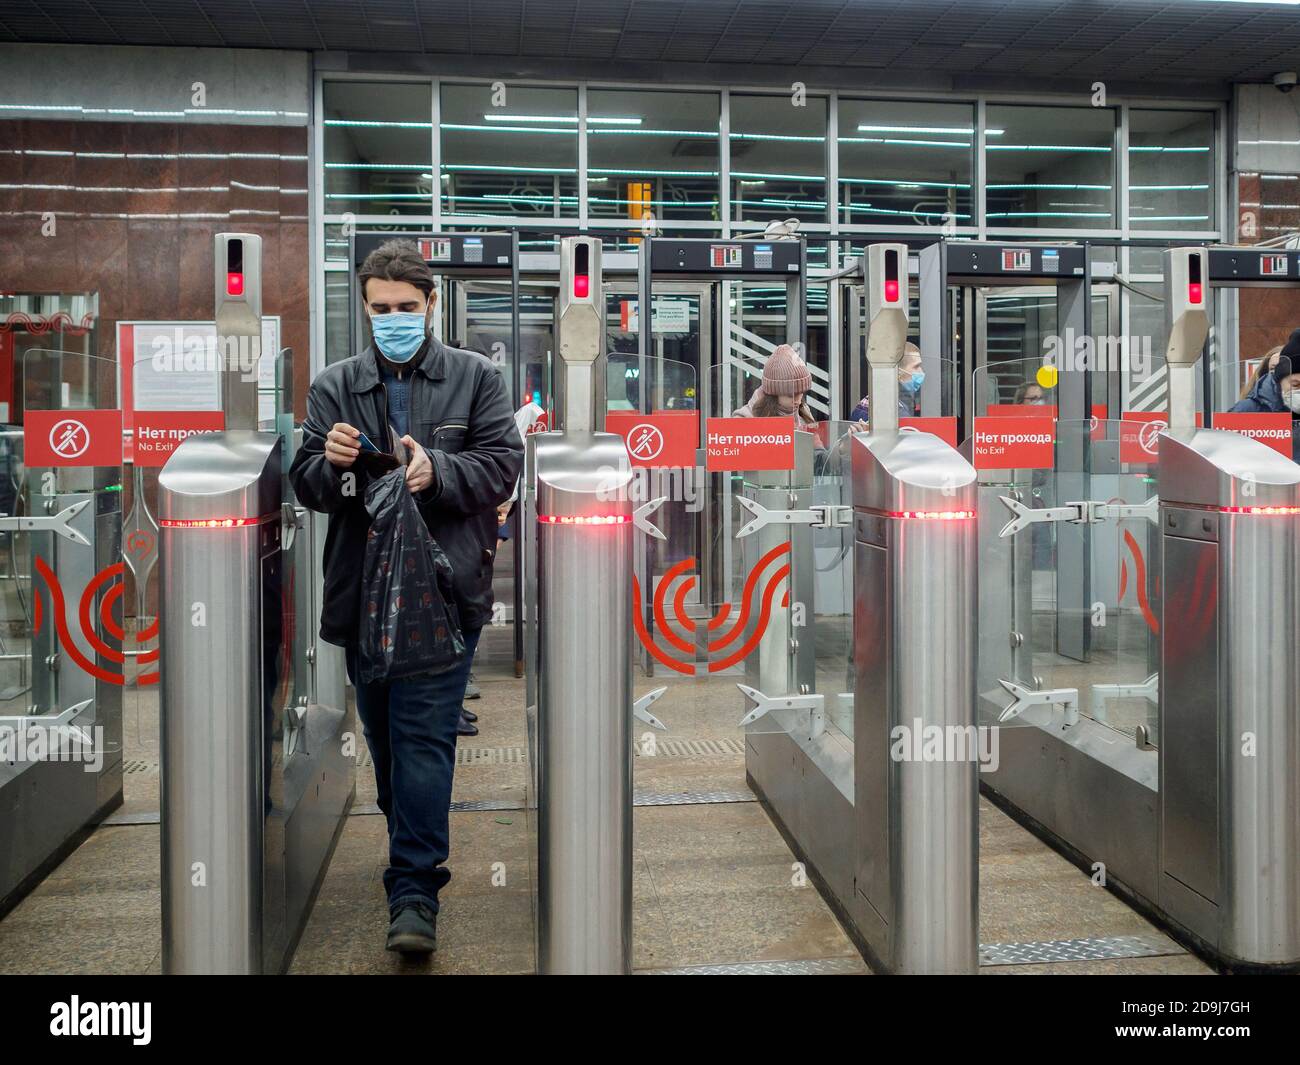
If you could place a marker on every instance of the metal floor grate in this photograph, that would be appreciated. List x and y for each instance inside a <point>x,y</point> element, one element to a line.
<point>640,798</point>
<point>723,747</point>
<point>1100,948</point>
<point>691,798</point>
<point>809,967</point>
<point>473,756</point>
<point>696,748</point>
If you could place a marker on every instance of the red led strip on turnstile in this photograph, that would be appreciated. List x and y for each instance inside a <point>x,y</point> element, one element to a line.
<point>1258,510</point>
<point>585,519</point>
<point>213,523</point>
<point>931,515</point>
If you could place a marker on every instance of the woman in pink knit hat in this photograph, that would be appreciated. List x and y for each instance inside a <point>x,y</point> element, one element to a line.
<point>785,382</point>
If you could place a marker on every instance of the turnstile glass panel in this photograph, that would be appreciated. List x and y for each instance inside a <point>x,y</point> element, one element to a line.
<point>481,319</point>
<point>665,391</point>
<point>670,378</point>
<point>1084,560</point>
<point>1017,332</point>
<point>62,642</point>
<point>68,641</point>
<point>72,654</point>
<point>831,610</point>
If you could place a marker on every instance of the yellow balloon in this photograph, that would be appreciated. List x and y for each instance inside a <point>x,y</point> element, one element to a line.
<point>1046,376</point>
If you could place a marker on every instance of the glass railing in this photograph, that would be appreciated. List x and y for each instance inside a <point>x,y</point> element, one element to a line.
<point>1068,616</point>
<point>66,632</point>
<point>831,610</point>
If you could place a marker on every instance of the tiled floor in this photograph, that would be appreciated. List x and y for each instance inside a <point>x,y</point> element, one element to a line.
<point>714,884</point>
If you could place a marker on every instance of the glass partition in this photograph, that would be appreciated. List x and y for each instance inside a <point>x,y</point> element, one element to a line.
<point>778,158</point>
<point>1171,169</point>
<point>511,151</point>
<point>1050,167</point>
<point>648,401</point>
<point>1068,607</point>
<point>652,154</point>
<point>906,162</point>
<point>831,610</point>
<point>65,649</point>
<point>378,148</point>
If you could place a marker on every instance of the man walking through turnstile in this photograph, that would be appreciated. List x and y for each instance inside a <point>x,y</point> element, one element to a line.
<point>451,412</point>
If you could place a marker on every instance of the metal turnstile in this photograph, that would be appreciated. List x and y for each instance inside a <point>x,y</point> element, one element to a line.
<point>892,837</point>
<point>1198,829</point>
<point>257,776</point>
<point>578,528</point>
<point>1229,862</point>
<point>1229,869</point>
<point>914,580</point>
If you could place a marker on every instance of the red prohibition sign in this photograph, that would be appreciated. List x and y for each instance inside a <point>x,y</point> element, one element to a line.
<point>645,441</point>
<point>69,438</point>
<point>1149,434</point>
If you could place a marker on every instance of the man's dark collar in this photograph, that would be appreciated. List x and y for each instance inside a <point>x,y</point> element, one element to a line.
<point>431,361</point>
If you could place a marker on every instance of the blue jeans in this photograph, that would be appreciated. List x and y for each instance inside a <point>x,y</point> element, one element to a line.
<point>410,728</point>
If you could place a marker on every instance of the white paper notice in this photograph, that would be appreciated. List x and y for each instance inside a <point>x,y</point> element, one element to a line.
<point>176,366</point>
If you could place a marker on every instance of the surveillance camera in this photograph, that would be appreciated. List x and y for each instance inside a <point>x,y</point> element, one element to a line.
<point>1285,81</point>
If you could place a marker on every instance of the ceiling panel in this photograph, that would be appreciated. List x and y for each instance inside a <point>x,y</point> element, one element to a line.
<point>1157,40</point>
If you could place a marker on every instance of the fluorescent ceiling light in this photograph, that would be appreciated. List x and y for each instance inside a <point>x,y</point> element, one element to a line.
<point>964,130</point>
<point>592,120</point>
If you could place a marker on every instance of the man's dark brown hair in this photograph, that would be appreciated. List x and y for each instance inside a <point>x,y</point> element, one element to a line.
<point>397,260</point>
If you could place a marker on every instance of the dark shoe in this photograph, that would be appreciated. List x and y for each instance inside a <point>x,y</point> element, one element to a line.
<point>468,715</point>
<point>472,691</point>
<point>413,929</point>
<point>464,728</point>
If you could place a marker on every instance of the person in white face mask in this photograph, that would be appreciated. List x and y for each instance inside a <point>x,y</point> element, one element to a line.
<point>786,381</point>
<point>1277,389</point>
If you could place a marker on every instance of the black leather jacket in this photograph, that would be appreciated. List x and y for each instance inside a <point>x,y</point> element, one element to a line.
<point>460,411</point>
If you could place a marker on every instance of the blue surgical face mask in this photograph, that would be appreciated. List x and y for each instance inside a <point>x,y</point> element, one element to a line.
<point>398,334</point>
<point>913,384</point>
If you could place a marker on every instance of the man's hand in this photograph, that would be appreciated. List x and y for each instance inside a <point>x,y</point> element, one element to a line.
<point>341,446</point>
<point>419,471</point>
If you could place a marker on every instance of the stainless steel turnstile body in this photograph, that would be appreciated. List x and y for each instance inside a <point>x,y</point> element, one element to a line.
<point>1229,863</point>
<point>253,791</point>
<point>1202,828</point>
<point>577,526</point>
<point>580,515</point>
<point>914,573</point>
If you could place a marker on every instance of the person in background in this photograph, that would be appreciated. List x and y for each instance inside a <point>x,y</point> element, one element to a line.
<point>910,379</point>
<point>1030,393</point>
<point>1276,388</point>
<point>1268,361</point>
<point>786,381</point>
